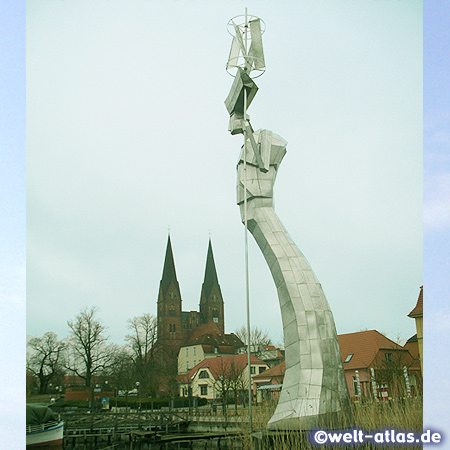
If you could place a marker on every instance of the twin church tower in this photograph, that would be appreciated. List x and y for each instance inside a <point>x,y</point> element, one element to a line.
<point>175,326</point>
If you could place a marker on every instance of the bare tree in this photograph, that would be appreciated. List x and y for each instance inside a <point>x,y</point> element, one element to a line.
<point>389,366</point>
<point>222,382</point>
<point>122,373</point>
<point>91,353</point>
<point>46,360</point>
<point>238,381</point>
<point>258,338</point>
<point>142,346</point>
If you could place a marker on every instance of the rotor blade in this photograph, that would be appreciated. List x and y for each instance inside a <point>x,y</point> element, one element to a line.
<point>256,47</point>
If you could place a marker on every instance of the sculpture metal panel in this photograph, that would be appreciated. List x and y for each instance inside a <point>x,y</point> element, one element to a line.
<point>314,391</point>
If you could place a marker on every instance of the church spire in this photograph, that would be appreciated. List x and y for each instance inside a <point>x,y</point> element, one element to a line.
<point>169,273</point>
<point>210,273</point>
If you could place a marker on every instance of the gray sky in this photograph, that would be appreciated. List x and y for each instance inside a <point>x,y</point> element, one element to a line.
<point>127,135</point>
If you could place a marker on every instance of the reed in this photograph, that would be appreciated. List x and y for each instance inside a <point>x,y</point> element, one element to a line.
<point>404,414</point>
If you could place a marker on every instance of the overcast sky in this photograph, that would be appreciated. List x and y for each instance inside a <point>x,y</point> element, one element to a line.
<point>127,135</point>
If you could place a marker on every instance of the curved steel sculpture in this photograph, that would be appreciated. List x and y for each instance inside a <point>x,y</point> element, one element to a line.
<point>314,392</point>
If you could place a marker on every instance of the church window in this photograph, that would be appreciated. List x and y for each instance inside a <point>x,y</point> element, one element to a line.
<point>170,328</point>
<point>174,328</point>
<point>171,310</point>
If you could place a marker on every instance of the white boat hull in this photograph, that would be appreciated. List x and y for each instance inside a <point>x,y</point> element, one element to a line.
<point>51,437</point>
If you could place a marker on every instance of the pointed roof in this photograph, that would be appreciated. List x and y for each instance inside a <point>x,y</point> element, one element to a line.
<point>210,273</point>
<point>169,273</point>
<point>418,309</point>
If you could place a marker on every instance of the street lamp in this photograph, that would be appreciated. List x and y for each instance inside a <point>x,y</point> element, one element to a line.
<point>139,398</point>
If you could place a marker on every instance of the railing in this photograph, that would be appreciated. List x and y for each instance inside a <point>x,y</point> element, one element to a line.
<point>42,426</point>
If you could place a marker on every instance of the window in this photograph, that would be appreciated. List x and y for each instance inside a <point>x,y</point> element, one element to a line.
<point>388,357</point>
<point>187,365</point>
<point>195,348</point>
<point>216,350</point>
<point>203,374</point>
<point>173,328</point>
<point>215,319</point>
<point>171,310</point>
<point>170,328</point>
<point>204,389</point>
<point>262,369</point>
<point>349,357</point>
<point>187,351</point>
<point>195,362</point>
<point>252,370</point>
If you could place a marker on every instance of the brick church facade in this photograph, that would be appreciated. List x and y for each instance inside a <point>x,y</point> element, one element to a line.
<point>175,326</point>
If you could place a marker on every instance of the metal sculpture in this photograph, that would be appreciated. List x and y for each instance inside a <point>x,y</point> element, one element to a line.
<point>314,391</point>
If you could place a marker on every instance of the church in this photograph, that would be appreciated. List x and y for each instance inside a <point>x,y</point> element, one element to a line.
<point>175,327</point>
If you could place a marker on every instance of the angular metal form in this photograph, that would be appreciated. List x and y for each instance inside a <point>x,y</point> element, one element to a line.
<point>314,392</point>
<point>235,100</point>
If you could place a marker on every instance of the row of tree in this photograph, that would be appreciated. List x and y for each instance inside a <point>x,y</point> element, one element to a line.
<point>87,355</point>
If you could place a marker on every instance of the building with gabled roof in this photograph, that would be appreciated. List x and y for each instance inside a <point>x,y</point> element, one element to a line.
<point>366,350</point>
<point>203,377</point>
<point>267,385</point>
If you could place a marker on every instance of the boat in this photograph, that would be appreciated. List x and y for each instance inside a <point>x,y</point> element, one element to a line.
<point>44,428</point>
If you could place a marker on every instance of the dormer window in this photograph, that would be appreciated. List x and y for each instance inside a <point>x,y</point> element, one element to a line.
<point>349,357</point>
<point>203,374</point>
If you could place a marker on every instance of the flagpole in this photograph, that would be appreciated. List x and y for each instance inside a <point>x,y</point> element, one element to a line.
<point>246,247</point>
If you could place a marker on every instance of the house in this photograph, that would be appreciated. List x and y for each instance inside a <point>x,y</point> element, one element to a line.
<point>267,385</point>
<point>417,315</point>
<point>206,341</point>
<point>207,378</point>
<point>374,365</point>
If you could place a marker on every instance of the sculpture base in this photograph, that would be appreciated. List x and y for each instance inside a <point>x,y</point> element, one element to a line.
<point>333,420</point>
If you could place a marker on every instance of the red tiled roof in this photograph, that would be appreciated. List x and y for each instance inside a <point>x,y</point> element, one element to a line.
<point>364,345</point>
<point>197,333</point>
<point>217,365</point>
<point>209,336</point>
<point>275,371</point>
<point>418,309</point>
